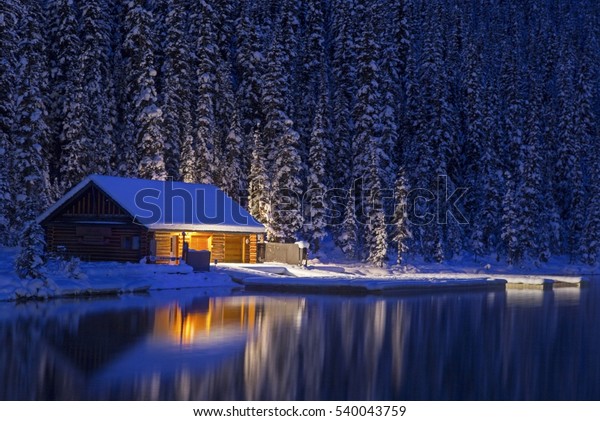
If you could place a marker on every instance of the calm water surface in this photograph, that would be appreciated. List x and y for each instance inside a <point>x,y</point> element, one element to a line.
<point>514,344</point>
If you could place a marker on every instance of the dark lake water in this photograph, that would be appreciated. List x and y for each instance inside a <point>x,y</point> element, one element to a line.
<point>492,345</point>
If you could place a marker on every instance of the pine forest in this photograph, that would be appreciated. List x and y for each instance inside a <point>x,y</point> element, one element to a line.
<point>390,128</point>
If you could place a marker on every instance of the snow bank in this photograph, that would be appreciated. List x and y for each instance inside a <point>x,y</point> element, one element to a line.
<point>64,279</point>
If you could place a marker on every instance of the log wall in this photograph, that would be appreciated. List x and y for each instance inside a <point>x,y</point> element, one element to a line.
<point>97,242</point>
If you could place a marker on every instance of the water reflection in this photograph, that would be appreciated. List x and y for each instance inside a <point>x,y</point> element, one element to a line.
<point>515,344</point>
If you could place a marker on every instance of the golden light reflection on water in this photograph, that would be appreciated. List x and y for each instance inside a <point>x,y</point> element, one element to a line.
<point>215,319</point>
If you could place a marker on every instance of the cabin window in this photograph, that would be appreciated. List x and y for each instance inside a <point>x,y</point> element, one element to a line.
<point>130,243</point>
<point>126,243</point>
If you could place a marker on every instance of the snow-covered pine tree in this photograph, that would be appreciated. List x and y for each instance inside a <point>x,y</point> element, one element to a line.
<point>511,80</point>
<point>400,36</point>
<point>64,51</point>
<point>589,134</point>
<point>235,179</point>
<point>250,68</point>
<point>376,230</point>
<point>487,183</point>
<point>391,63</point>
<point>545,50</point>
<point>534,227</point>
<point>474,136</point>
<point>75,161</point>
<point>348,233</point>
<point>310,65</point>
<point>369,151</point>
<point>288,38</point>
<point>431,117</point>
<point>29,175</point>
<point>282,144</point>
<point>142,140</point>
<point>9,19</point>
<point>226,105</point>
<point>366,143</point>
<point>176,95</point>
<point>569,187</point>
<point>225,110</point>
<point>30,261</point>
<point>188,159</point>
<point>344,75</point>
<point>401,229</point>
<point>339,160</point>
<point>98,89</point>
<point>259,182</point>
<point>320,143</point>
<point>286,197</point>
<point>206,73</point>
<point>590,250</point>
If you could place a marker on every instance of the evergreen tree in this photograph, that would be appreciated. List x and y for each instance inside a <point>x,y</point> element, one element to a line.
<point>316,185</point>
<point>259,181</point>
<point>488,179</point>
<point>590,251</point>
<point>98,89</point>
<point>9,19</point>
<point>235,179</point>
<point>30,262</point>
<point>342,95</point>
<point>376,230</point>
<point>348,234</point>
<point>401,221</point>
<point>64,52</point>
<point>75,161</point>
<point>176,95</point>
<point>569,188</point>
<point>588,134</point>
<point>286,198</point>
<point>206,130</point>
<point>432,134</point>
<point>250,61</point>
<point>533,224</point>
<point>142,139</point>
<point>344,74</point>
<point>512,126</point>
<point>29,173</point>
<point>311,64</point>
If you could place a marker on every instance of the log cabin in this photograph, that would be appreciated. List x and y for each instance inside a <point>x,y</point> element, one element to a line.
<point>107,218</point>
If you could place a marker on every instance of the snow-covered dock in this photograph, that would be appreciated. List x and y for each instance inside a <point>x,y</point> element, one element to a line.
<point>332,279</point>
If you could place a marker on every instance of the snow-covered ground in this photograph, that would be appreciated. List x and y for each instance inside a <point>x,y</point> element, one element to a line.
<point>103,278</point>
<point>328,270</point>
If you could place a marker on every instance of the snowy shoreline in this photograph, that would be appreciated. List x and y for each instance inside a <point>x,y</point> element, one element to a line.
<point>110,278</point>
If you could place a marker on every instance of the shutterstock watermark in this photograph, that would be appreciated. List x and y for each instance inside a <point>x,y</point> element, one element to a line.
<point>193,204</point>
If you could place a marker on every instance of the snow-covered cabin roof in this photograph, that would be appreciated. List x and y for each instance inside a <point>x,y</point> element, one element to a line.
<point>169,205</point>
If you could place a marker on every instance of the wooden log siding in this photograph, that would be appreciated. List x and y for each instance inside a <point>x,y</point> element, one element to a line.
<point>65,239</point>
<point>252,249</point>
<point>218,247</point>
<point>92,201</point>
